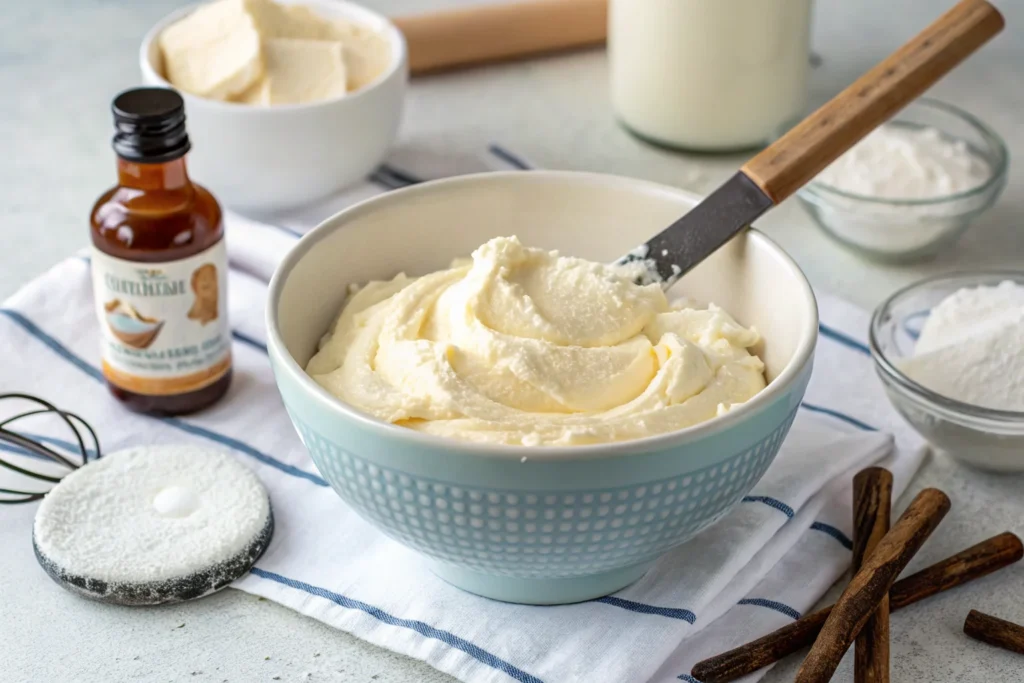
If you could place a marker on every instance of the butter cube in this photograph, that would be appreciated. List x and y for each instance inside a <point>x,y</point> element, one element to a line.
<point>303,70</point>
<point>367,52</point>
<point>213,52</point>
<point>258,94</point>
<point>287,21</point>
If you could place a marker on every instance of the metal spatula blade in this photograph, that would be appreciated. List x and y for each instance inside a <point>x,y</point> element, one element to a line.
<point>716,220</point>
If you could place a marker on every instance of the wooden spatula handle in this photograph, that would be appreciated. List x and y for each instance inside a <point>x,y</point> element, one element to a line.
<point>486,33</point>
<point>795,158</point>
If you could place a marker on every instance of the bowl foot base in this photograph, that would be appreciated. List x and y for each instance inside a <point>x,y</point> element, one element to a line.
<point>539,591</point>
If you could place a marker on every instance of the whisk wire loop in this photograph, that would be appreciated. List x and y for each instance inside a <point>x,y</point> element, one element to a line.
<point>34,445</point>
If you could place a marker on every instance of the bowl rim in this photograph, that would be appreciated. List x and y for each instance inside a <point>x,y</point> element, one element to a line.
<point>775,390</point>
<point>943,405</point>
<point>395,38</point>
<point>818,191</point>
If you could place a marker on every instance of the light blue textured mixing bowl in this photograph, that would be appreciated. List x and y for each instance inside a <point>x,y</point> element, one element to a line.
<point>536,525</point>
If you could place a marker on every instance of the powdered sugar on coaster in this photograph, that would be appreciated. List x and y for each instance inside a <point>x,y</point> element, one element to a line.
<point>153,524</point>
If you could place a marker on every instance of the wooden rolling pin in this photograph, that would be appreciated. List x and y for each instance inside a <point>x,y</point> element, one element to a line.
<point>488,33</point>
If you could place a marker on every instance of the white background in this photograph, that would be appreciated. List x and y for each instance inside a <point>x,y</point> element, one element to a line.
<point>60,65</point>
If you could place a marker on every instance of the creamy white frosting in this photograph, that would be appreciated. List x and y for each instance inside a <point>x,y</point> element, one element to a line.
<point>523,346</point>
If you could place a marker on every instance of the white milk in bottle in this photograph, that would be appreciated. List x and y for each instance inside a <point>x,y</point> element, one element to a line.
<point>708,75</point>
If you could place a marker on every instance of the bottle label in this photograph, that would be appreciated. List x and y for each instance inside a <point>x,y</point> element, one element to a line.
<point>164,326</point>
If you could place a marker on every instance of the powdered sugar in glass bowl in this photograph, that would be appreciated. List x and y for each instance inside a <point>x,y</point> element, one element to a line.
<point>983,437</point>
<point>864,214</point>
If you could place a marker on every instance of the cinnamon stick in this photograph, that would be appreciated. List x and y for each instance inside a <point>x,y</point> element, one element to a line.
<point>977,561</point>
<point>973,563</point>
<point>869,585</point>
<point>995,631</point>
<point>872,504</point>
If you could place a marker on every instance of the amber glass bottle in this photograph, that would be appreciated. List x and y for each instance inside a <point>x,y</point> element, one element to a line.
<point>159,266</point>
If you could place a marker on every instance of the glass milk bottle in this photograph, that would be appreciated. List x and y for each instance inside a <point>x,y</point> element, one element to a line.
<point>708,75</point>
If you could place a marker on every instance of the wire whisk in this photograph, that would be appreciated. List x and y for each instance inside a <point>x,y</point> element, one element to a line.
<point>20,443</point>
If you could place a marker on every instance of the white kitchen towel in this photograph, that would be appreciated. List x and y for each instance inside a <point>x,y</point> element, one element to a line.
<point>757,569</point>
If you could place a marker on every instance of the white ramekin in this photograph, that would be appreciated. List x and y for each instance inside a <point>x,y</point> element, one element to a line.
<point>273,158</point>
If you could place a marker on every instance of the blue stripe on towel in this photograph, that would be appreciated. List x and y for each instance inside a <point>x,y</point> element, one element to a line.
<point>834,533</point>
<point>54,345</point>
<point>386,181</point>
<point>425,630</point>
<point>399,174</point>
<point>95,373</point>
<point>244,448</point>
<point>70,446</point>
<point>73,447</point>
<point>771,604</point>
<point>772,503</point>
<point>246,339</point>
<point>393,178</point>
<point>777,504</point>
<point>839,416</point>
<point>688,678</point>
<point>844,339</point>
<point>509,158</point>
<point>18,450</point>
<point>670,612</point>
<point>286,230</point>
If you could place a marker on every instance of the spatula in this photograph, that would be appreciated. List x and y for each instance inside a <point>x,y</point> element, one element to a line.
<point>794,159</point>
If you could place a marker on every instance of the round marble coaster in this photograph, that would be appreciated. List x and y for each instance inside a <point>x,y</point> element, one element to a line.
<point>153,524</point>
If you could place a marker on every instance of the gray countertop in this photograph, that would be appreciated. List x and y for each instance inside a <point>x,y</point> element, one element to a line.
<point>60,63</point>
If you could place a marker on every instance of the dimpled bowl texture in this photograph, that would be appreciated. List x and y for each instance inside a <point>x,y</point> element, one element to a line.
<point>537,525</point>
<point>266,159</point>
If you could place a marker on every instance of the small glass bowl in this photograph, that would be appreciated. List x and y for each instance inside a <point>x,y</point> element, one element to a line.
<point>985,438</point>
<point>905,230</point>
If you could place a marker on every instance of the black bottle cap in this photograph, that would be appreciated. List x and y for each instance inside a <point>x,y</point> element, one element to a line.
<point>149,125</point>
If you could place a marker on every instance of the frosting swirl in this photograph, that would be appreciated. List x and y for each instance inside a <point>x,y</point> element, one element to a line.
<point>523,346</point>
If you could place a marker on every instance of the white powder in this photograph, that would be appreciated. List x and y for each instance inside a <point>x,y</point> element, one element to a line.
<point>902,162</point>
<point>971,348</point>
<point>151,514</point>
